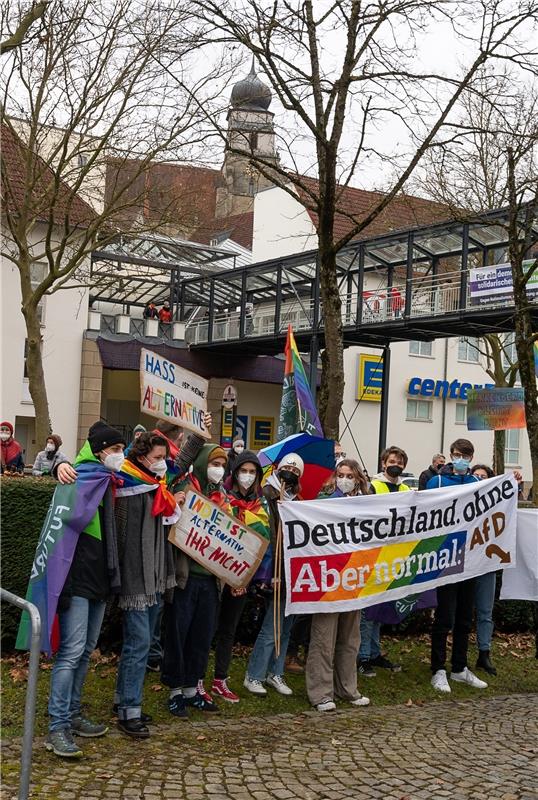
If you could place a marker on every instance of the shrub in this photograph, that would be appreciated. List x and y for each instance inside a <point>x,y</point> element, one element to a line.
<point>25,502</point>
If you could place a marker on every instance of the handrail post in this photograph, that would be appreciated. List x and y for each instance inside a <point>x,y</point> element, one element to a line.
<point>31,689</point>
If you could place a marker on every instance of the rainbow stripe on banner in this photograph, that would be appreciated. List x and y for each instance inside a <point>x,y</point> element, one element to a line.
<point>364,573</point>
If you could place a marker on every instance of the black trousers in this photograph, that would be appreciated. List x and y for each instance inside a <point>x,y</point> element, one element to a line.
<point>231,609</point>
<point>189,624</point>
<point>454,613</point>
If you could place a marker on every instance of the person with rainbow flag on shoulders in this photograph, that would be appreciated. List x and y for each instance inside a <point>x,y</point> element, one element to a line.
<point>75,570</point>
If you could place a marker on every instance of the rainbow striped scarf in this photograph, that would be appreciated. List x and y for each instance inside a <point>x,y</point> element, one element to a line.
<point>136,481</point>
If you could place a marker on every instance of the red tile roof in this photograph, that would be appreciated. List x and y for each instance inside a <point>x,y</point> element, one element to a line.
<point>61,202</point>
<point>238,227</point>
<point>404,211</point>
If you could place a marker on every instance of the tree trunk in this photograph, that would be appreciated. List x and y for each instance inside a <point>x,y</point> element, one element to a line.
<point>36,375</point>
<point>499,444</point>
<point>332,376</point>
<point>525,354</point>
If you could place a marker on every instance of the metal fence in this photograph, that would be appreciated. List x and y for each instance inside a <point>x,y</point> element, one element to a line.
<point>31,689</point>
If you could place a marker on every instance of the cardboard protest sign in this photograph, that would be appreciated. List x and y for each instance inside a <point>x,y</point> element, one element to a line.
<point>495,409</point>
<point>220,543</point>
<point>353,552</point>
<point>167,391</point>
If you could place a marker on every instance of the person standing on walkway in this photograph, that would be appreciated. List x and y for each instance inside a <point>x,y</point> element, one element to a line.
<point>455,601</point>
<point>331,666</point>
<point>264,665</point>
<point>46,460</point>
<point>11,450</point>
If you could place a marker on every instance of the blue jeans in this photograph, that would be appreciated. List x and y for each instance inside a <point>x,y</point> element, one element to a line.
<point>80,626</point>
<point>263,659</point>
<point>156,649</point>
<point>138,628</point>
<point>484,599</point>
<point>370,646</point>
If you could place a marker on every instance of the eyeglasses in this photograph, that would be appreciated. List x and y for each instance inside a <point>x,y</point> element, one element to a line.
<point>341,454</point>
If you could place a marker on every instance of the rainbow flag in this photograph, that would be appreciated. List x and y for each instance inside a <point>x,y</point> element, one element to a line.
<point>536,358</point>
<point>298,409</point>
<point>135,481</point>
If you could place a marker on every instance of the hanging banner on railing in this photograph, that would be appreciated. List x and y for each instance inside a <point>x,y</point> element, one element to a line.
<point>493,284</point>
<point>167,391</point>
<point>353,552</point>
<point>495,409</point>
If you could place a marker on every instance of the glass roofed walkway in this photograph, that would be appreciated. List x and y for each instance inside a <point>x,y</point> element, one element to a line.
<point>418,284</point>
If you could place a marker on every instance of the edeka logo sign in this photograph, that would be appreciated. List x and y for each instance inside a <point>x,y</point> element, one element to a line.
<point>370,378</point>
<point>453,390</point>
<point>353,552</point>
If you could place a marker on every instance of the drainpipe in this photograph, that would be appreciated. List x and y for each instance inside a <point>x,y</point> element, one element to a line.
<point>443,408</point>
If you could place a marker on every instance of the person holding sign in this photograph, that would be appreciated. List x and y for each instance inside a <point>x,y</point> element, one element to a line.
<point>455,601</point>
<point>331,666</point>
<point>143,507</point>
<point>251,510</point>
<point>265,666</point>
<point>191,615</point>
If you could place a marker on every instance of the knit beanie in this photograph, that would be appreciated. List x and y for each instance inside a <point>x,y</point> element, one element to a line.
<point>56,439</point>
<point>139,429</point>
<point>101,436</point>
<point>217,452</point>
<point>7,425</point>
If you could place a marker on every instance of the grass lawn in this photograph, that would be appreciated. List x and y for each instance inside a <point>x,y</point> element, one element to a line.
<point>513,655</point>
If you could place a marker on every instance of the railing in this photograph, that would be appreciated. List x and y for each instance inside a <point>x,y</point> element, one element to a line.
<point>431,296</point>
<point>31,690</point>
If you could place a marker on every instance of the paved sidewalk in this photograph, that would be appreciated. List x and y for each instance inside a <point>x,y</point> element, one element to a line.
<point>485,749</point>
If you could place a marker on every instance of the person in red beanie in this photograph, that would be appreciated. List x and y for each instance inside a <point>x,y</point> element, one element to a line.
<point>12,460</point>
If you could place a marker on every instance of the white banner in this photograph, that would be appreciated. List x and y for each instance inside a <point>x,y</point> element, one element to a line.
<point>219,543</point>
<point>167,391</point>
<point>521,583</point>
<point>353,552</point>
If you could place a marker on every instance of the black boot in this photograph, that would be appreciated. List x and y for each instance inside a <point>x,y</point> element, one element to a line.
<point>484,662</point>
<point>134,728</point>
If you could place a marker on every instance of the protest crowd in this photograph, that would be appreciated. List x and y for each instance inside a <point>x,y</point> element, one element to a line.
<point>128,499</point>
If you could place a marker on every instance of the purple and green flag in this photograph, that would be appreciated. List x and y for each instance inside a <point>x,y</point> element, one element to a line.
<point>73,509</point>
<point>298,409</point>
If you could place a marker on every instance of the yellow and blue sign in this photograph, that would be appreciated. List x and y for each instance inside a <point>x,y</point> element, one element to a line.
<point>262,432</point>
<point>370,378</point>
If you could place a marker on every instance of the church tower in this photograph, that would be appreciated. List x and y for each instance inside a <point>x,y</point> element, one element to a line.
<point>251,129</point>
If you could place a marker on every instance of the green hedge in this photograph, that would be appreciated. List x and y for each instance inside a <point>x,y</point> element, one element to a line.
<point>25,502</point>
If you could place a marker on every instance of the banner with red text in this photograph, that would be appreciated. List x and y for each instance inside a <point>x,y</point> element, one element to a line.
<point>352,552</point>
<point>218,542</point>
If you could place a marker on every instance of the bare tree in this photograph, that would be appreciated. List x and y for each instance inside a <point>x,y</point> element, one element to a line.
<point>342,71</point>
<point>489,160</point>
<point>88,93</point>
<point>22,25</point>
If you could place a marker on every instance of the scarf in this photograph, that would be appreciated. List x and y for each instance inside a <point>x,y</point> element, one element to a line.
<point>146,561</point>
<point>10,451</point>
<point>137,481</point>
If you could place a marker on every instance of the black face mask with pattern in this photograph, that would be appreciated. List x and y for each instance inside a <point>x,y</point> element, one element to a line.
<point>288,478</point>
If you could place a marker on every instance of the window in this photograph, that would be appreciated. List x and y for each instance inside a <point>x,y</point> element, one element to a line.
<point>468,349</point>
<point>461,413</point>
<point>420,349</point>
<point>419,410</point>
<point>82,159</point>
<point>511,447</point>
<point>253,141</point>
<point>509,354</point>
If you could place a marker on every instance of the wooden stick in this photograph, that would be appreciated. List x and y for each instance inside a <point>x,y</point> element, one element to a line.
<point>277,579</point>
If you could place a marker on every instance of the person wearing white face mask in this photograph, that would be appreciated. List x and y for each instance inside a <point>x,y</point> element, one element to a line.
<point>11,450</point>
<point>93,576</point>
<point>143,506</point>
<point>47,459</point>
<point>331,666</point>
<point>244,496</point>
<point>238,448</point>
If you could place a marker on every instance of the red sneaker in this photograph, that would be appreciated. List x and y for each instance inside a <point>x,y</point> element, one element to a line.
<point>203,693</point>
<point>220,688</point>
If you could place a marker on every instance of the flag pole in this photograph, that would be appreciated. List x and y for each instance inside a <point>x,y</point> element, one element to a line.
<point>277,581</point>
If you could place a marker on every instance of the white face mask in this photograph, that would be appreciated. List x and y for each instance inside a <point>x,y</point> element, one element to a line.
<point>346,485</point>
<point>158,467</point>
<point>114,461</point>
<point>245,479</point>
<point>238,448</point>
<point>49,447</point>
<point>5,436</point>
<point>215,474</point>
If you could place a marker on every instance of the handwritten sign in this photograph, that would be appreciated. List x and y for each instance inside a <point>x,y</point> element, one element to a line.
<point>167,391</point>
<point>218,542</point>
<point>497,409</point>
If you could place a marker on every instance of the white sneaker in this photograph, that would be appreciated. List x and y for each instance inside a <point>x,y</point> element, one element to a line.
<point>327,705</point>
<point>361,700</point>
<point>278,683</point>
<point>439,681</point>
<point>254,686</point>
<point>468,677</point>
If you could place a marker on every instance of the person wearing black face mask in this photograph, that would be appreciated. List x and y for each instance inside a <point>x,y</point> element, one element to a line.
<point>393,463</point>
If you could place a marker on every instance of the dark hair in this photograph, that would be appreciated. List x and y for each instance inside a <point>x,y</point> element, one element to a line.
<point>145,444</point>
<point>394,451</point>
<point>361,486</point>
<point>168,428</point>
<point>489,472</point>
<point>464,446</point>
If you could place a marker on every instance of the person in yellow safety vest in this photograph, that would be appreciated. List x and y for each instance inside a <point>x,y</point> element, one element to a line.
<point>393,462</point>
